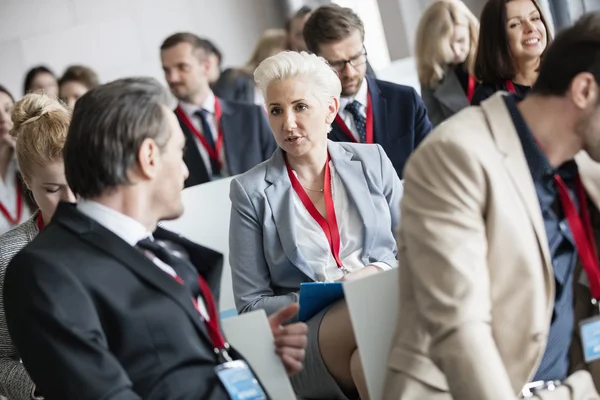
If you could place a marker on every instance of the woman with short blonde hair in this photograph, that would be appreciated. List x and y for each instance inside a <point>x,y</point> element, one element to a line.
<point>446,47</point>
<point>316,211</point>
<point>40,125</point>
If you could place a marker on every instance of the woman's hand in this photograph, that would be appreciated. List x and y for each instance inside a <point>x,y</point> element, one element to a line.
<point>361,273</point>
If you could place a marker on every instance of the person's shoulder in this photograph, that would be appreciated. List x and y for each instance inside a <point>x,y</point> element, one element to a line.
<point>253,181</point>
<point>14,240</point>
<point>483,92</point>
<point>239,108</point>
<point>396,89</point>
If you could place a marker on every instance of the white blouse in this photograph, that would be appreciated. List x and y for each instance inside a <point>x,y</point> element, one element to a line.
<point>8,198</point>
<point>313,243</point>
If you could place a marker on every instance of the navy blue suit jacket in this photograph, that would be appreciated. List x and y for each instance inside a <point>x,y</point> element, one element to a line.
<point>247,141</point>
<point>400,121</point>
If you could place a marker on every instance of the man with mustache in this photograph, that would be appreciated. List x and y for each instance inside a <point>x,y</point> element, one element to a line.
<point>223,138</point>
<point>371,110</point>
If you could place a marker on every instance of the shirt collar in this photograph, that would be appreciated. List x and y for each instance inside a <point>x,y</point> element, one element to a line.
<point>127,228</point>
<point>190,109</point>
<point>361,96</point>
<point>539,165</point>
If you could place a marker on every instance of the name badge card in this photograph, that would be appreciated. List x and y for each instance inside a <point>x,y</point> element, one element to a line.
<point>239,381</point>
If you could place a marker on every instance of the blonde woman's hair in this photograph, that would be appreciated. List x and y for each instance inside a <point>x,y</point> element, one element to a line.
<point>270,40</point>
<point>433,36</point>
<point>291,64</point>
<point>40,126</point>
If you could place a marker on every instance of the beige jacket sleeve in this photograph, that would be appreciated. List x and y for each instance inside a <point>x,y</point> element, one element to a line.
<point>444,231</point>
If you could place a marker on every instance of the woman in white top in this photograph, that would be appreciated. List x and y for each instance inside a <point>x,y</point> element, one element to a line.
<point>315,211</point>
<point>14,208</point>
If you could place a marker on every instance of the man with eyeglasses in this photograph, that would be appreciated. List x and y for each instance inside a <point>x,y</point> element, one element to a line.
<point>371,111</point>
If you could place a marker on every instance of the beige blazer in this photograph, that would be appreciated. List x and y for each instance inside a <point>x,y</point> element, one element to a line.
<point>476,280</point>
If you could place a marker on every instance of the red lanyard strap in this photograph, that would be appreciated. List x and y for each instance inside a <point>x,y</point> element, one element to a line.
<point>19,214</point>
<point>369,124</point>
<point>581,228</point>
<point>212,152</point>
<point>511,87</point>
<point>471,88</point>
<point>329,225</point>
<point>40,221</point>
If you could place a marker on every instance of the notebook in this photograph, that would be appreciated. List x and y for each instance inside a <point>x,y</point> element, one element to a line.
<point>315,296</point>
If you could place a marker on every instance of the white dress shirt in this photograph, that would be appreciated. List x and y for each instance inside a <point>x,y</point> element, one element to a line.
<point>313,243</point>
<point>8,198</point>
<point>362,97</point>
<point>131,231</point>
<point>190,111</point>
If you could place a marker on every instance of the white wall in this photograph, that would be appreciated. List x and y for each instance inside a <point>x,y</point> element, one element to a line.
<point>122,37</point>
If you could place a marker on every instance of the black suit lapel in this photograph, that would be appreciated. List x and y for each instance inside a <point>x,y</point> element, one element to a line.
<point>379,106</point>
<point>192,158</point>
<point>113,246</point>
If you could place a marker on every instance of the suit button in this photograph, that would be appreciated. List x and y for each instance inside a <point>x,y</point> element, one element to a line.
<point>538,337</point>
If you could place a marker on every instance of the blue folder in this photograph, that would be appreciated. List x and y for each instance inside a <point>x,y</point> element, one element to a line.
<point>315,296</point>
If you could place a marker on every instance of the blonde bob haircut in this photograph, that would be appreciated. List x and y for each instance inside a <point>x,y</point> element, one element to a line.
<point>309,67</point>
<point>432,47</point>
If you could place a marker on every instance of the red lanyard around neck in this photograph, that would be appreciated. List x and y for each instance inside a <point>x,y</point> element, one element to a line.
<point>471,88</point>
<point>369,123</point>
<point>329,226</point>
<point>511,87</point>
<point>212,152</point>
<point>14,220</point>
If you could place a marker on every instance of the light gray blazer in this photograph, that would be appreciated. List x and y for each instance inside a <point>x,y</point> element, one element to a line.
<point>266,264</point>
<point>445,100</point>
<point>15,382</point>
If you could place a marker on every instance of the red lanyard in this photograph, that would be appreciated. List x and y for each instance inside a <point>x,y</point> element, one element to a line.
<point>581,228</point>
<point>329,225</point>
<point>368,127</point>
<point>40,222</point>
<point>4,210</point>
<point>471,88</point>
<point>511,87</point>
<point>212,323</point>
<point>213,153</point>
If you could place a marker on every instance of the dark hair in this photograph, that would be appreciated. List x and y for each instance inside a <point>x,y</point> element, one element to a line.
<point>32,73</point>
<point>580,45</point>
<point>329,24</point>
<point>5,90</point>
<point>197,43</point>
<point>301,13</point>
<point>210,47</point>
<point>109,124</point>
<point>81,74</point>
<point>494,63</point>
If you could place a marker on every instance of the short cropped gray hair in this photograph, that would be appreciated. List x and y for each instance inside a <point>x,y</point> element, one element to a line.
<point>291,64</point>
<point>109,124</point>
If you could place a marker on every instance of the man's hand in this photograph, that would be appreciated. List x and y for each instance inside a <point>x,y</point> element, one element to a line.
<point>290,340</point>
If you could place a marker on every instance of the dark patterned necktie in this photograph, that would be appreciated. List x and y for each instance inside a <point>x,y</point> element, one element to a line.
<point>207,132</point>
<point>359,121</point>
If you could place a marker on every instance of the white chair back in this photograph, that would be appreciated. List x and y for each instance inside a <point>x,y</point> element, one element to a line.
<point>373,304</point>
<point>251,335</point>
<point>205,220</point>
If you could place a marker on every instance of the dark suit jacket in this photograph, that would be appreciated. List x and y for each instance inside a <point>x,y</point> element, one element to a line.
<point>94,318</point>
<point>235,85</point>
<point>400,121</point>
<point>444,100</point>
<point>248,141</point>
<point>487,90</point>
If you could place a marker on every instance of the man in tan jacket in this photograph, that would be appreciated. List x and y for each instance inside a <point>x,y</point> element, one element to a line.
<point>493,279</point>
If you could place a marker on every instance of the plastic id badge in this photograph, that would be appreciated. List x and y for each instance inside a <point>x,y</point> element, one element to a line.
<point>590,339</point>
<point>239,381</point>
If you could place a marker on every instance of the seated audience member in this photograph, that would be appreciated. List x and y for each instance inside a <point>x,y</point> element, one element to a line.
<point>215,59</point>
<point>13,205</point>
<point>223,138</point>
<point>41,80</point>
<point>500,215</point>
<point>75,82</point>
<point>371,111</point>
<point>238,84</point>
<point>294,28</point>
<point>116,308</point>
<point>284,209</point>
<point>445,51</point>
<point>40,128</point>
<point>513,38</point>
